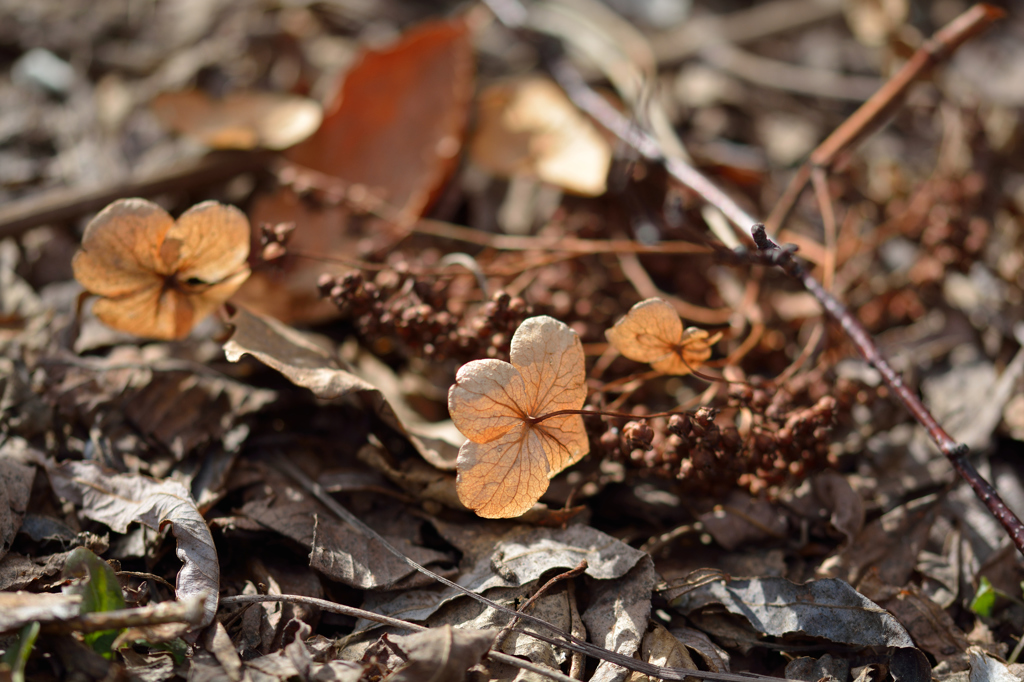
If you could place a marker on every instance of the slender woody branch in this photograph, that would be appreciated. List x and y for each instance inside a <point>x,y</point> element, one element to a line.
<point>874,112</point>
<point>955,452</point>
<point>972,22</point>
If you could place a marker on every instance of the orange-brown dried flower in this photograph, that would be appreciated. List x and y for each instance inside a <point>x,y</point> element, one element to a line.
<point>158,277</point>
<point>652,332</point>
<point>505,467</point>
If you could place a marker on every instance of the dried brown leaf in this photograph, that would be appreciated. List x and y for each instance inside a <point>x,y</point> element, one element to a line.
<point>443,653</point>
<point>306,364</point>
<point>119,500</point>
<point>158,277</point>
<point>397,123</point>
<point>504,468</point>
<point>529,127</point>
<point>15,485</point>
<point>828,608</point>
<point>239,120</point>
<point>652,332</point>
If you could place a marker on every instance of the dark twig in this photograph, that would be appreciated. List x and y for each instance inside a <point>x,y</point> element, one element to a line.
<point>772,254</point>
<point>940,46</point>
<point>870,116</point>
<point>568,575</point>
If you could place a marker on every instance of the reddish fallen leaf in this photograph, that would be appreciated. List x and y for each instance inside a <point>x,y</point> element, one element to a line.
<point>398,121</point>
<point>395,129</point>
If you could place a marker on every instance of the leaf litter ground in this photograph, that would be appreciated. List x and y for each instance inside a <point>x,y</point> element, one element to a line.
<point>794,523</point>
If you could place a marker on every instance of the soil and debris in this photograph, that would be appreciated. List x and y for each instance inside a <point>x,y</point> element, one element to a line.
<point>215,498</point>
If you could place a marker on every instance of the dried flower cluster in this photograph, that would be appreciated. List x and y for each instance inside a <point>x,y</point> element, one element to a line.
<point>410,311</point>
<point>781,441</point>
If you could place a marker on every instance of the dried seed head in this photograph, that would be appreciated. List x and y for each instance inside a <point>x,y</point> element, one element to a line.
<point>638,435</point>
<point>679,424</point>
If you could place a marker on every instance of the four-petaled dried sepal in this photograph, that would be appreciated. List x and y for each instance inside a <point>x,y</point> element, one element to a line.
<point>652,332</point>
<point>514,448</point>
<point>156,276</point>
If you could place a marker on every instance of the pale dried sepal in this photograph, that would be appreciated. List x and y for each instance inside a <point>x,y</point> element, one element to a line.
<point>162,314</point>
<point>487,400</point>
<point>503,478</point>
<point>214,242</point>
<point>693,352</point>
<point>549,355</point>
<point>565,441</point>
<point>505,467</point>
<point>157,277</point>
<point>529,127</point>
<point>648,332</point>
<point>652,332</point>
<point>120,247</point>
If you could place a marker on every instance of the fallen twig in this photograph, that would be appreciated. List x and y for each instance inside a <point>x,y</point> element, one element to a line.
<point>188,610</point>
<point>60,205</point>
<point>955,452</point>
<point>779,75</point>
<point>870,116</point>
<point>942,44</point>
<point>742,26</point>
<point>568,575</point>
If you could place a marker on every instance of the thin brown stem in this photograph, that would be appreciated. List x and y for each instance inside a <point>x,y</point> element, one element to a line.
<point>819,180</point>
<point>870,116</point>
<point>532,421</point>
<point>955,452</point>
<point>941,45</point>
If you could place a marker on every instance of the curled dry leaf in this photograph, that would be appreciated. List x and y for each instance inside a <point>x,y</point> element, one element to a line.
<point>119,500</point>
<point>652,332</point>
<point>239,120</point>
<point>158,277</point>
<point>504,468</point>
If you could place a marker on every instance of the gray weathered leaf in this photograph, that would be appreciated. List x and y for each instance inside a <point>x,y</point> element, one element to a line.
<point>715,657</point>
<point>984,668</point>
<point>119,500</point>
<point>617,616</point>
<point>518,556</point>
<point>306,364</point>
<point>660,647</point>
<point>828,608</point>
<point>441,654</point>
<point>827,668</point>
<point>20,608</point>
<point>342,554</point>
<point>15,486</point>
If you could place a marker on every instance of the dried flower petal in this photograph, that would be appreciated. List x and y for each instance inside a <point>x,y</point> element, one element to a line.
<point>158,277</point>
<point>652,332</point>
<point>504,468</point>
